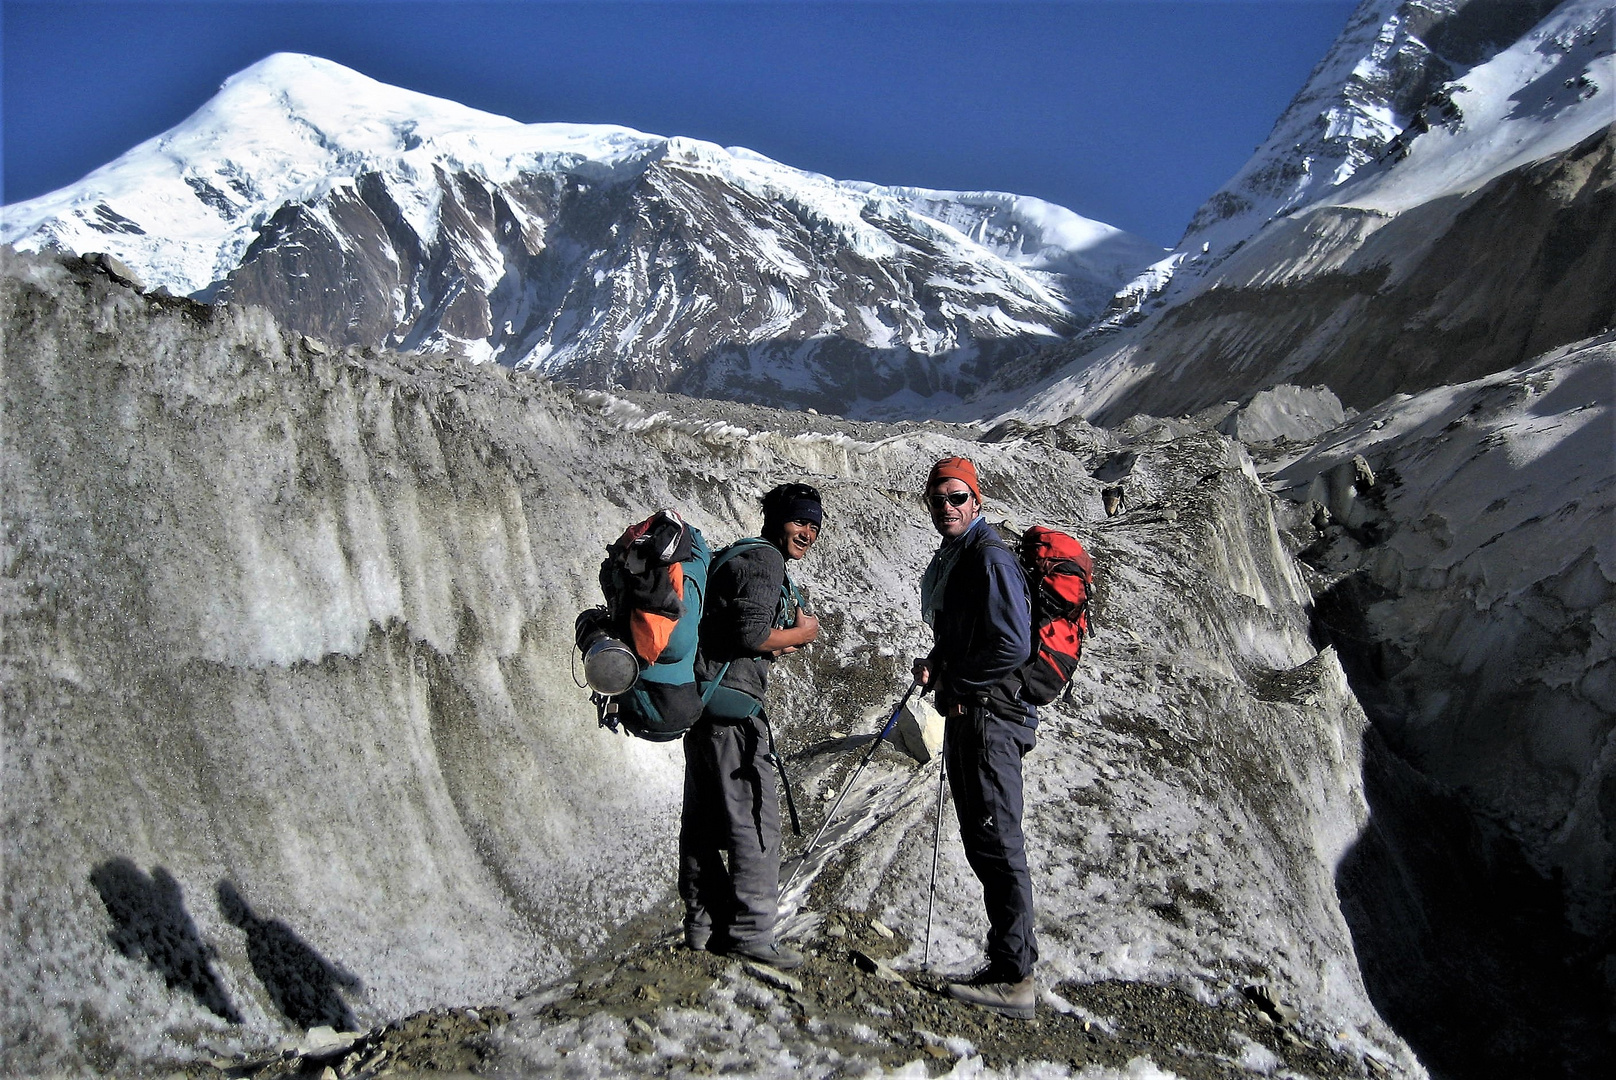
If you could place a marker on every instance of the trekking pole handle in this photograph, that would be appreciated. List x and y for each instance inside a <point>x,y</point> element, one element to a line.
<point>875,744</point>
<point>892,722</point>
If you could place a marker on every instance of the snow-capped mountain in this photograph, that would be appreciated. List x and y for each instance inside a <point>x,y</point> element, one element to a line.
<point>1435,205</point>
<point>1389,75</point>
<point>361,213</point>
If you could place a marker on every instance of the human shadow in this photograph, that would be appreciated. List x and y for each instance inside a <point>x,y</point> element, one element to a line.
<point>839,745</point>
<point>149,922</point>
<point>303,985</point>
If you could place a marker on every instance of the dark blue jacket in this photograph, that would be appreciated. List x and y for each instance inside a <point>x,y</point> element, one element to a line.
<point>984,629</point>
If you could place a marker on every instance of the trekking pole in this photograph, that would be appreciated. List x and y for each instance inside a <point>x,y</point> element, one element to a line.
<point>802,860</point>
<point>936,836</point>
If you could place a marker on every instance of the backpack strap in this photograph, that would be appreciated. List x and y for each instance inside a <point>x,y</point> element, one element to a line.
<point>728,703</point>
<point>745,543</point>
<point>790,592</point>
<point>785,781</point>
<point>712,687</point>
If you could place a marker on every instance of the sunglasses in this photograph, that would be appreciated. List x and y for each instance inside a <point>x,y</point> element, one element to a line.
<point>952,498</point>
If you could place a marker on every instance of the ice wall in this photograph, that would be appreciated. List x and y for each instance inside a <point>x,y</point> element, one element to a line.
<point>281,625</point>
<point>1481,547</point>
<point>290,736</point>
<point>1187,803</point>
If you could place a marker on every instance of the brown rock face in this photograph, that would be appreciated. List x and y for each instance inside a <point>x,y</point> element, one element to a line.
<point>1371,306</point>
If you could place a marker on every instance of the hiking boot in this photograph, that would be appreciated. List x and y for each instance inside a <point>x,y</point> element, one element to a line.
<point>981,977</point>
<point>1009,998</point>
<point>775,955</point>
<point>697,938</point>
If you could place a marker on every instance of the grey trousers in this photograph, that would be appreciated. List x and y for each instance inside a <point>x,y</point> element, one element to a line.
<point>729,833</point>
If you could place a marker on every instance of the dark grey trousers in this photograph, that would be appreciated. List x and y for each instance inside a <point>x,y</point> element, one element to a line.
<point>983,757</point>
<point>729,833</point>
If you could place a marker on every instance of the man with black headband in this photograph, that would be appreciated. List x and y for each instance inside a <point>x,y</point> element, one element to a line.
<point>729,834</point>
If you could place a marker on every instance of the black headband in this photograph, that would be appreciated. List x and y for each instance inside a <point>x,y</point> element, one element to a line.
<point>792,502</point>
<point>804,509</point>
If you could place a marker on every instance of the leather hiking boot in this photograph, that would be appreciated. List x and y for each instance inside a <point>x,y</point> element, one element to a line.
<point>1010,998</point>
<point>770,953</point>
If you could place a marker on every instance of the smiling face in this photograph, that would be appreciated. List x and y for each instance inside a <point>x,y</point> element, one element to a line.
<point>796,537</point>
<point>951,514</point>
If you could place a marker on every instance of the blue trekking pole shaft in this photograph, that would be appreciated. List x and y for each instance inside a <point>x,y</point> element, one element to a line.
<point>891,723</point>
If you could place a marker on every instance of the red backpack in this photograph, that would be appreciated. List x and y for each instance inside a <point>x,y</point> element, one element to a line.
<point>1060,575</point>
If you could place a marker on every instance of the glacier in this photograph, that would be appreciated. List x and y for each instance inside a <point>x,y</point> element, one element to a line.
<point>292,626</point>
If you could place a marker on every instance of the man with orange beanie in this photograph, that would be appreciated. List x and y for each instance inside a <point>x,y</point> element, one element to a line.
<point>974,596</point>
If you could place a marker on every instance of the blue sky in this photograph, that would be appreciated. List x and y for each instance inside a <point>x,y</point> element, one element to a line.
<point>1128,111</point>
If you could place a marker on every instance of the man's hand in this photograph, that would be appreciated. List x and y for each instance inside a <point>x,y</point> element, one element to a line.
<point>808,624</point>
<point>922,671</point>
<point>789,639</point>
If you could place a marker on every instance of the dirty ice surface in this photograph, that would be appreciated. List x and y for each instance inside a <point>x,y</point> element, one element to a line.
<point>347,718</point>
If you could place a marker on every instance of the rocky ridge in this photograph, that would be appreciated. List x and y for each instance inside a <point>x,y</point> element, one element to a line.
<point>663,1010</point>
<point>1375,245</point>
<point>1387,78</point>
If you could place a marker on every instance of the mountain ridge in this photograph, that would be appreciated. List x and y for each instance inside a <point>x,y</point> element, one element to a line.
<point>1491,198</point>
<point>363,214</point>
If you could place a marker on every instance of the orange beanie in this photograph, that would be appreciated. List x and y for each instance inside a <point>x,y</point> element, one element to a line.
<point>955,468</point>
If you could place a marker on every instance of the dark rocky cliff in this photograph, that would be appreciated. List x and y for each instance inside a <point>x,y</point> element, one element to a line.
<point>1463,287</point>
